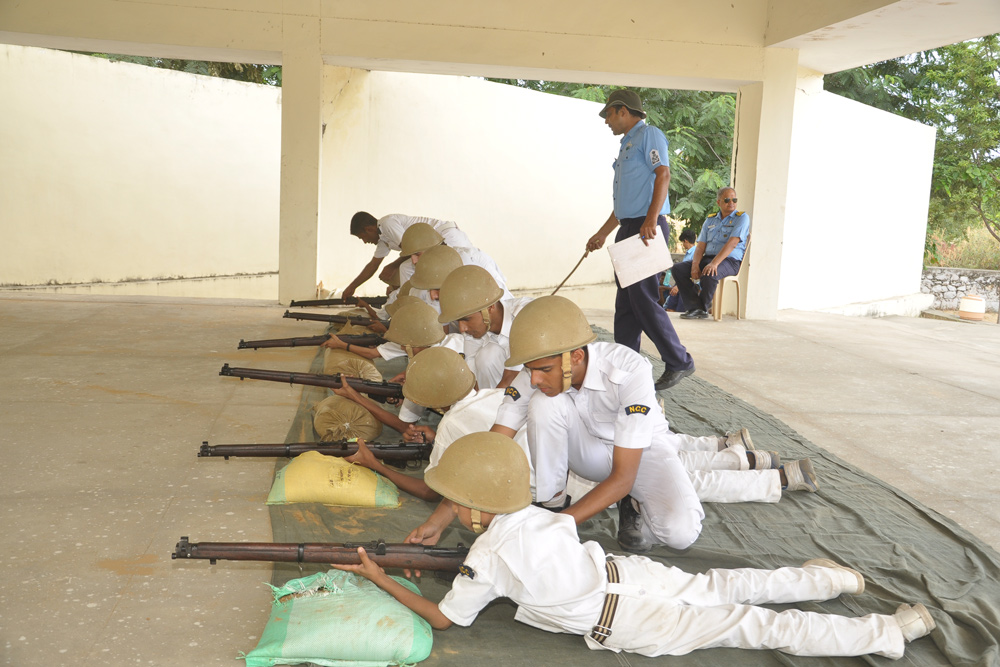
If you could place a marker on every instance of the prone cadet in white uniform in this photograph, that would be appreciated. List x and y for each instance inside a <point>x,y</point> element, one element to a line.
<point>535,558</point>
<point>471,297</point>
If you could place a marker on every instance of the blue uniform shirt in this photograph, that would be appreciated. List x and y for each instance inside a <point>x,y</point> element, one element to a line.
<point>644,148</point>
<point>717,230</point>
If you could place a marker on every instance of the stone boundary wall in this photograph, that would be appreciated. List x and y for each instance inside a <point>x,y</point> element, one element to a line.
<point>949,286</point>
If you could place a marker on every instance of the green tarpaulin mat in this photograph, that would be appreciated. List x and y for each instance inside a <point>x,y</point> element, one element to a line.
<point>906,551</point>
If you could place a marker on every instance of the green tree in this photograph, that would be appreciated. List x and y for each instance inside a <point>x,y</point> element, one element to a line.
<point>956,89</point>
<point>269,75</point>
<point>699,126</point>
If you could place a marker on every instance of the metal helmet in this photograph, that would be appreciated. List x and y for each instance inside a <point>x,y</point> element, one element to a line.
<point>548,326</point>
<point>438,378</point>
<point>466,290</point>
<point>415,325</point>
<point>418,237</point>
<point>401,301</point>
<point>434,266</point>
<point>483,471</point>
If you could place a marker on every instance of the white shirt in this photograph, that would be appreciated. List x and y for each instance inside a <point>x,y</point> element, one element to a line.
<point>535,558</point>
<point>392,227</point>
<point>616,402</point>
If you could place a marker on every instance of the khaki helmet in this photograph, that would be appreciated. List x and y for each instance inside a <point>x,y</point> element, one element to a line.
<point>415,325</point>
<point>393,308</point>
<point>438,378</point>
<point>546,327</point>
<point>393,280</point>
<point>466,290</point>
<point>418,237</point>
<point>404,289</point>
<point>434,266</point>
<point>486,472</point>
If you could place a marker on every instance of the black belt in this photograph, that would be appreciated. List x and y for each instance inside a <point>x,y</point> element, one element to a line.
<point>602,630</point>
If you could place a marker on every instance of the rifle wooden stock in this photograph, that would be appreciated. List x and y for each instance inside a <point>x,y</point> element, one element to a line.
<point>379,391</point>
<point>405,556</point>
<point>336,319</point>
<point>393,452</point>
<point>374,301</point>
<point>359,340</point>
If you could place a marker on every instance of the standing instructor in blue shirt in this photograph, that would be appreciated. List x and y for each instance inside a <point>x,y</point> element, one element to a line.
<point>642,178</point>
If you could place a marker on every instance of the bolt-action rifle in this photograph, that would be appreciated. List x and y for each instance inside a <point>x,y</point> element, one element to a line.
<point>375,301</point>
<point>378,391</point>
<point>405,556</point>
<point>393,452</point>
<point>336,319</point>
<point>358,340</point>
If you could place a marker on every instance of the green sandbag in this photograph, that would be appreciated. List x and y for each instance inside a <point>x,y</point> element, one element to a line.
<point>340,619</point>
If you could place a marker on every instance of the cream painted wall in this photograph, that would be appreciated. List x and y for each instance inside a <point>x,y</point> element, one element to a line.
<point>527,175</point>
<point>856,213</point>
<point>112,170</point>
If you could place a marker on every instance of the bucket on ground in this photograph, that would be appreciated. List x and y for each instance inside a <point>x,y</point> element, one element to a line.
<point>972,307</point>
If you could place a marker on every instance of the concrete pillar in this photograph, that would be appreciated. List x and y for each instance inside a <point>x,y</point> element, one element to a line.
<point>301,131</point>
<point>760,173</point>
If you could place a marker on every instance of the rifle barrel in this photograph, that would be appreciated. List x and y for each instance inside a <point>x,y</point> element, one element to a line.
<point>408,556</point>
<point>336,319</point>
<point>359,340</point>
<point>377,390</point>
<point>395,451</point>
<point>374,301</point>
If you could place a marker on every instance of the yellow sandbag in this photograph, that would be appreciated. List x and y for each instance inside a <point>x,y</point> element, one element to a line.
<point>348,363</point>
<point>315,478</point>
<point>338,418</point>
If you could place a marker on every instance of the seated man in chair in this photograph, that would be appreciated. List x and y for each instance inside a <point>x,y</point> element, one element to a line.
<point>718,254</point>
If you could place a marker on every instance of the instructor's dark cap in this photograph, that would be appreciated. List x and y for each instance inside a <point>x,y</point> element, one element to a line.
<point>624,98</point>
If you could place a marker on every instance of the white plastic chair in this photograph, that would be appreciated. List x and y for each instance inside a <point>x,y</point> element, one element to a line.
<point>737,286</point>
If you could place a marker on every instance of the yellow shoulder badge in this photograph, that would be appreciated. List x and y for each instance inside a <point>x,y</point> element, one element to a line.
<point>467,571</point>
<point>512,392</point>
<point>636,409</point>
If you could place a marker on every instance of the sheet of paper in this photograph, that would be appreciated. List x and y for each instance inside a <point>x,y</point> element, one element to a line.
<point>634,260</point>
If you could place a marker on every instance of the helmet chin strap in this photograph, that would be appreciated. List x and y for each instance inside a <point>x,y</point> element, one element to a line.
<point>486,318</point>
<point>567,371</point>
<point>477,522</point>
<point>409,351</point>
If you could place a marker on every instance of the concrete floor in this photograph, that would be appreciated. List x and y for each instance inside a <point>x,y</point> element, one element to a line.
<point>106,400</point>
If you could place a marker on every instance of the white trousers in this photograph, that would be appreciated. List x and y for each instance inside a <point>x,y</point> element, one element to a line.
<point>486,359</point>
<point>559,443</point>
<point>665,611</point>
<point>724,477</point>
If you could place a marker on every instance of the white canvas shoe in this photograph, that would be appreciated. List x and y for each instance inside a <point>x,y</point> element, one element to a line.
<point>914,620</point>
<point>800,476</point>
<point>741,437</point>
<point>826,562</point>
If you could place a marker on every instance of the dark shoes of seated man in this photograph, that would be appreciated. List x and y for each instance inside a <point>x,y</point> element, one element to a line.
<point>695,314</point>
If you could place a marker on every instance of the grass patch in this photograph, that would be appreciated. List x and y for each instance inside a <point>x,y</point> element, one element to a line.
<point>976,250</point>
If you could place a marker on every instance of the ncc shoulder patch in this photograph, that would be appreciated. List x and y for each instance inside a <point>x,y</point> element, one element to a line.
<point>512,392</point>
<point>636,409</point>
<point>467,571</point>
<point>654,156</point>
